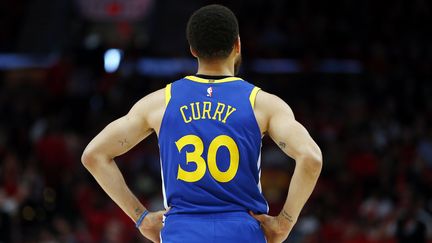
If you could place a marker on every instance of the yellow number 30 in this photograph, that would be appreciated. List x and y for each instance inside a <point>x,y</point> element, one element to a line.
<point>196,157</point>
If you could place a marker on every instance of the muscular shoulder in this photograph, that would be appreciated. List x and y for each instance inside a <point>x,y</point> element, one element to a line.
<point>150,109</point>
<point>266,106</point>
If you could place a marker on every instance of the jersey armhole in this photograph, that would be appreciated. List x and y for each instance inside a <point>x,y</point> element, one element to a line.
<point>253,95</point>
<point>167,94</point>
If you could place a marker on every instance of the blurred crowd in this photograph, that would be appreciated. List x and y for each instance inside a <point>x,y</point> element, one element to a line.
<point>374,128</point>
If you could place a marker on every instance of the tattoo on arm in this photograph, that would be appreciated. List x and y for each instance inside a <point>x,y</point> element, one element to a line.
<point>287,216</point>
<point>124,143</point>
<point>138,211</point>
<point>282,145</point>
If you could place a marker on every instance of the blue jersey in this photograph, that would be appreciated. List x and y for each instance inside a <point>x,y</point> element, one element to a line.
<point>210,147</point>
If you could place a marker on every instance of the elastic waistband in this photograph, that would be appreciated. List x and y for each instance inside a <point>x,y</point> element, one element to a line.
<point>241,215</point>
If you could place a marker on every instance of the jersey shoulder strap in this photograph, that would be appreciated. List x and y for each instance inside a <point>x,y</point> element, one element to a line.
<point>167,94</point>
<point>253,95</point>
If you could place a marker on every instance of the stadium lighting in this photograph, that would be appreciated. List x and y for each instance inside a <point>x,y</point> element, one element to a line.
<point>112,59</point>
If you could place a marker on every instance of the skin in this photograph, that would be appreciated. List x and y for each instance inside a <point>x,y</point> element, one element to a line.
<point>274,117</point>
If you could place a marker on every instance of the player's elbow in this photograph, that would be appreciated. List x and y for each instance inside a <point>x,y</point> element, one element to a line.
<point>312,162</point>
<point>89,158</point>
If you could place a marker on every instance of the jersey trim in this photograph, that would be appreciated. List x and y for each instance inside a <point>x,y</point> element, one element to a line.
<point>253,96</point>
<point>165,202</point>
<point>167,94</point>
<point>203,80</point>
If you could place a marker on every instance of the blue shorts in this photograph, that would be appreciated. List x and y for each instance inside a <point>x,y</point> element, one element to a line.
<point>235,227</point>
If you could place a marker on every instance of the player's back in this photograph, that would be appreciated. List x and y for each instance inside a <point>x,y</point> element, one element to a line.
<point>210,146</point>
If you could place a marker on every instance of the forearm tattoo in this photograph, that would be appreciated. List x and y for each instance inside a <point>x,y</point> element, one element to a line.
<point>287,216</point>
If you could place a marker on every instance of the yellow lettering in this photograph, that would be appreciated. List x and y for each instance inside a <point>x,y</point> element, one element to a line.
<point>197,115</point>
<point>230,144</point>
<point>196,157</point>
<point>219,111</point>
<point>206,109</point>
<point>183,114</point>
<point>192,157</point>
<point>230,110</point>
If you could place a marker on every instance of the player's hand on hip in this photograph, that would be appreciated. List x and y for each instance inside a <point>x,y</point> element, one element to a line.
<point>276,229</point>
<point>152,225</point>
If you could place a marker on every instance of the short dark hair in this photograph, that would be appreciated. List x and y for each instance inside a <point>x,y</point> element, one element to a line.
<point>212,31</point>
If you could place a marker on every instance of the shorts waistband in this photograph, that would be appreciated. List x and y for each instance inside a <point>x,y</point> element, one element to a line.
<point>221,215</point>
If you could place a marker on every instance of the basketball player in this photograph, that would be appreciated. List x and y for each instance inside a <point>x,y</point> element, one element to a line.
<point>209,126</point>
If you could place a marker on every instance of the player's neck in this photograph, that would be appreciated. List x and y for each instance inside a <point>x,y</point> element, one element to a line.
<point>216,68</point>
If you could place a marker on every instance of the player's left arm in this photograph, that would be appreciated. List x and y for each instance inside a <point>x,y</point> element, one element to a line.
<point>277,119</point>
<point>116,139</point>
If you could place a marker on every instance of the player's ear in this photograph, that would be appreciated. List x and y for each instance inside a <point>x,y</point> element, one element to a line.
<point>237,45</point>
<point>193,52</point>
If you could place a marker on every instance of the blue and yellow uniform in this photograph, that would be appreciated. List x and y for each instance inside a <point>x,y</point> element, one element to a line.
<point>210,147</point>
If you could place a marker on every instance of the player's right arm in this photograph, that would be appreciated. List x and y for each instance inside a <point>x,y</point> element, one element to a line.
<point>116,139</point>
<point>276,118</point>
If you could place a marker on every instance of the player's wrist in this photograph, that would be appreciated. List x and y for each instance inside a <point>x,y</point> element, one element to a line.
<point>286,221</point>
<point>141,219</point>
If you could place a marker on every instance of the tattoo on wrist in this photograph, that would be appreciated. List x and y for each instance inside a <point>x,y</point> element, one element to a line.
<point>282,145</point>
<point>287,216</point>
<point>138,211</point>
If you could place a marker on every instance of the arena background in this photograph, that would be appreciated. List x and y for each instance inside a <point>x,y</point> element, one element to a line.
<point>358,75</point>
